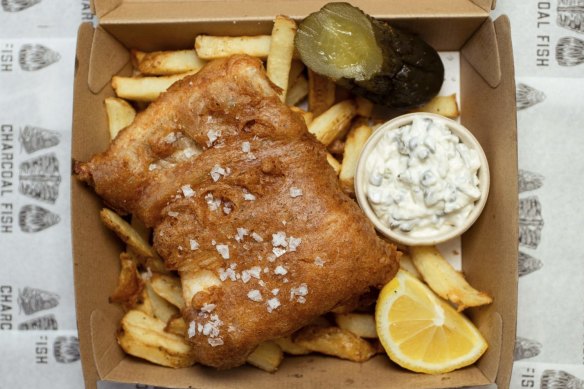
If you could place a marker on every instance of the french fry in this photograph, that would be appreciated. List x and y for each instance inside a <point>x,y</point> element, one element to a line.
<point>334,122</point>
<point>307,116</point>
<point>177,326</point>
<point>144,304</point>
<point>405,263</point>
<point>267,356</point>
<point>130,285</point>
<point>195,282</point>
<point>281,51</point>
<point>169,288</point>
<point>321,93</point>
<point>298,91</point>
<point>334,163</point>
<point>144,337</point>
<point>166,63</point>
<point>214,47</point>
<point>364,106</point>
<point>355,142</point>
<point>444,280</point>
<point>120,114</point>
<point>296,70</point>
<point>144,88</point>
<point>334,341</point>
<point>289,347</point>
<point>361,324</point>
<point>126,233</point>
<point>442,105</point>
<point>161,308</point>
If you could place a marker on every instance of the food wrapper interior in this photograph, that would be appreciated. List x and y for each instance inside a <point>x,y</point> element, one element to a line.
<point>489,248</point>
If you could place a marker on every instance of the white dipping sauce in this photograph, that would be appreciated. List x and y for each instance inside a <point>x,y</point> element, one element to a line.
<point>422,179</point>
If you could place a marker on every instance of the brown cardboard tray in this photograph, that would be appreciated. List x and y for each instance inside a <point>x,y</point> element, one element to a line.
<point>489,247</point>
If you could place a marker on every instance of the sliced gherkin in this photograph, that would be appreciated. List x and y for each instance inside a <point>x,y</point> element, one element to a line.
<point>369,57</point>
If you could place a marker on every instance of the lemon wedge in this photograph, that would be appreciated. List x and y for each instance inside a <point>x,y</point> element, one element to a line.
<point>421,332</point>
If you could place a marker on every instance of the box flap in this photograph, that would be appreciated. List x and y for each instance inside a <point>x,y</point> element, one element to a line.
<point>144,11</point>
<point>108,57</point>
<point>482,52</point>
<point>495,232</point>
<point>487,5</point>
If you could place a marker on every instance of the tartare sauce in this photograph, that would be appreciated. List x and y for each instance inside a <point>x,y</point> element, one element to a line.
<point>422,179</point>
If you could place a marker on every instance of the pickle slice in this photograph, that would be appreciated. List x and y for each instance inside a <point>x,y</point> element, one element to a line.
<point>369,57</point>
<point>339,42</point>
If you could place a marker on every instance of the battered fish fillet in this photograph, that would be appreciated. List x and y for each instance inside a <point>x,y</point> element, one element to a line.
<point>244,205</point>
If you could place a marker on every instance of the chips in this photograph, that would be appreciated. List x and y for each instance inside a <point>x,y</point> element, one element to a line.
<point>144,88</point>
<point>336,342</point>
<point>166,63</point>
<point>144,337</point>
<point>442,105</point>
<point>361,324</point>
<point>281,51</point>
<point>120,114</point>
<point>214,47</point>
<point>331,124</point>
<point>444,280</point>
<point>267,356</point>
<point>321,93</point>
<point>353,146</point>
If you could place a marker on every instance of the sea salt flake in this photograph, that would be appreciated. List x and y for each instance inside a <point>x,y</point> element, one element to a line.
<point>233,265</point>
<point>319,262</point>
<point>271,257</point>
<point>170,138</point>
<point>152,166</point>
<point>294,243</point>
<point>255,272</point>
<point>248,196</point>
<point>279,239</point>
<point>173,214</point>
<point>262,283</point>
<point>192,329</point>
<point>189,152</point>
<point>257,237</point>
<point>241,233</point>
<point>273,303</point>
<point>217,172</point>
<point>301,300</point>
<point>278,252</point>
<point>187,191</point>
<point>212,135</point>
<point>295,192</point>
<point>275,291</point>
<point>266,270</point>
<point>254,295</point>
<point>280,270</point>
<point>200,327</point>
<point>246,147</point>
<point>245,276</point>
<point>227,208</point>
<point>194,244</point>
<point>208,307</point>
<point>212,202</point>
<point>214,342</point>
<point>302,290</point>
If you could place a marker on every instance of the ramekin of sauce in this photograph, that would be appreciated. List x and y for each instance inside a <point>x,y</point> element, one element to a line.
<point>422,179</point>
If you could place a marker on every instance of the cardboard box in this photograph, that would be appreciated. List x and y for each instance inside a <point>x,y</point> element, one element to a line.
<point>489,247</point>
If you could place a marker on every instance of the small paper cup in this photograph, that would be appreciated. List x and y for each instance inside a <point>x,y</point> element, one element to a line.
<point>362,177</point>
